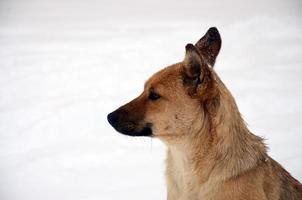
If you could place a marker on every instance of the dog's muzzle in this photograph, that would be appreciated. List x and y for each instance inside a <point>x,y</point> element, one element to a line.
<point>123,123</point>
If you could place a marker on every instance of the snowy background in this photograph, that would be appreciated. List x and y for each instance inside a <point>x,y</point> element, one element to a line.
<point>65,64</point>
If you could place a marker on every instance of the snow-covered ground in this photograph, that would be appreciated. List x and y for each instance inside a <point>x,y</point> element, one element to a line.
<point>65,64</point>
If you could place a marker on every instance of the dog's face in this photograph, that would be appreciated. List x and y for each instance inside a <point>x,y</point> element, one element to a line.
<point>171,101</point>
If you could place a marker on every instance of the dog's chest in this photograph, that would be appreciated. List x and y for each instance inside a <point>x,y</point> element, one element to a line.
<point>181,177</point>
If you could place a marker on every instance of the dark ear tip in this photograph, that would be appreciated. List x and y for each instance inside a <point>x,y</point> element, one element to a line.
<point>213,30</point>
<point>214,33</point>
<point>190,47</point>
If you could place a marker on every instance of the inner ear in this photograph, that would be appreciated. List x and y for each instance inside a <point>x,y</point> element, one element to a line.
<point>192,65</point>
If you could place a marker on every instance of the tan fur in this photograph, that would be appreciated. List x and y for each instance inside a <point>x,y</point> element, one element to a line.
<point>211,153</point>
<point>217,157</point>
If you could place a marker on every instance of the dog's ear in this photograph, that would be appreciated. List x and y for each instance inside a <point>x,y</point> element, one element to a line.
<point>209,46</point>
<point>192,65</point>
<point>197,76</point>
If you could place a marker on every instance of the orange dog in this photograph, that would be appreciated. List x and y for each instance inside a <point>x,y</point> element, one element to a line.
<point>211,153</point>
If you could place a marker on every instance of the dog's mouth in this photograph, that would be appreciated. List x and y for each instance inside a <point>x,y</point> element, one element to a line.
<point>131,128</point>
<point>145,131</point>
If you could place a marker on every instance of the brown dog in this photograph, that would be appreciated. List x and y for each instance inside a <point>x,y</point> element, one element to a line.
<point>211,153</point>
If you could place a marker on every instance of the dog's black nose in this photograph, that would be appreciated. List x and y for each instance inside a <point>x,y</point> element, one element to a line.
<point>113,118</point>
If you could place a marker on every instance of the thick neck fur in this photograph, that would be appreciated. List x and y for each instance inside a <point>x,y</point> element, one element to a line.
<point>221,147</point>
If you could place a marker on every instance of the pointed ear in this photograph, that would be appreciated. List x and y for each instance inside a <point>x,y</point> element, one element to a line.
<point>209,46</point>
<point>192,64</point>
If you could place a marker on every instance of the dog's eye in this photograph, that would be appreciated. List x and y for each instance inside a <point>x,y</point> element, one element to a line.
<point>153,96</point>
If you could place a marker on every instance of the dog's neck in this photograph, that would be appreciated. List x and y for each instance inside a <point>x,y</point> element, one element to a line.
<point>223,147</point>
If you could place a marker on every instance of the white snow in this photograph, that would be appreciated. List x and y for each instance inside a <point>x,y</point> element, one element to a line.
<point>64,65</point>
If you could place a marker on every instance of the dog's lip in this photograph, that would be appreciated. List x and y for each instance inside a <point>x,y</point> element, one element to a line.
<point>145,131</point>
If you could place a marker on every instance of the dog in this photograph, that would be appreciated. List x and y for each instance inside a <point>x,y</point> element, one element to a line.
<point>211,154</point>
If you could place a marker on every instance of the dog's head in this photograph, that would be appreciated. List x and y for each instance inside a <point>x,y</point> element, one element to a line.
<point>172,101</point>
